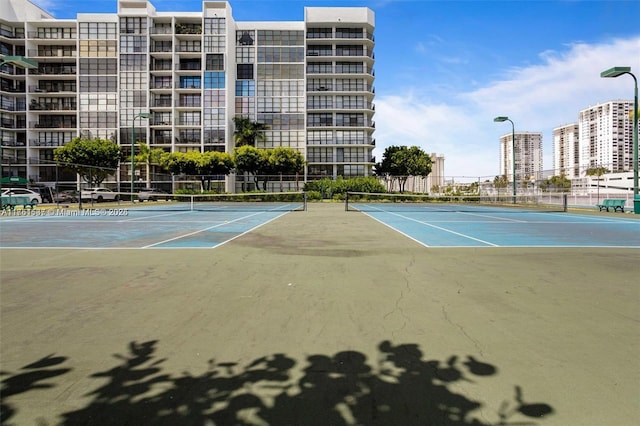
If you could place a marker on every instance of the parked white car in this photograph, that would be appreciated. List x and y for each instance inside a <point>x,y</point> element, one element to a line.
<point>23,192</point>
<point>99,195</point>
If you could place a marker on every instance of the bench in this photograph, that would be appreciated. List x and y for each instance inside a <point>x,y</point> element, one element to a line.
<point>613,203</point>
<point>10,202</point>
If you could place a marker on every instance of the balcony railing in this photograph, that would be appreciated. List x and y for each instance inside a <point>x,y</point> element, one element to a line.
<point>338,52</point>
<point>53,35</point>
<point>55,70</point>
<point>162,103</point>
<point>45,143</point>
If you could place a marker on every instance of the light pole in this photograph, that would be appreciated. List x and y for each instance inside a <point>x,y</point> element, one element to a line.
<point>616,72</point>
<point>133,145</point>
<point>20,62</point>
<point>513,150</point>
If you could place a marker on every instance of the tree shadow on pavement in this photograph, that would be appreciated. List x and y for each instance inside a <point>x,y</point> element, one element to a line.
<point>400,387</point>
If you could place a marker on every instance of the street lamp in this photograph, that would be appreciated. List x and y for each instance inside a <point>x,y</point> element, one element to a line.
<point>513,150</point>
<point>616,72</point>
<point>19,62</point>
<point>133,144</point>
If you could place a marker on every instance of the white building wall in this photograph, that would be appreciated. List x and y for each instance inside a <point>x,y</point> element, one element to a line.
<point>566,150</point>
<point>528,155</point>
<point>606,136</point>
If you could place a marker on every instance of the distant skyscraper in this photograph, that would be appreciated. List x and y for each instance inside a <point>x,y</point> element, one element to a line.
<point>566,151</point>
<point>606,136</point>
<point>528,149</point>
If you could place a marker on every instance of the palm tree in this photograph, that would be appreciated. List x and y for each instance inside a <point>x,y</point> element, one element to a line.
<point>597,171</point>
<point>248,132</point>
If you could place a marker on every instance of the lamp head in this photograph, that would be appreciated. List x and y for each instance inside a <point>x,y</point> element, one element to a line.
<point>145,115</point>
<point>615,72</point>
<point>500,119</point>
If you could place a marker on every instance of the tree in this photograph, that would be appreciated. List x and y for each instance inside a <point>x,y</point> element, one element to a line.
<point>284,161</point>
<point>147,156</point>
<point>500,182</point>
<point>400,162</point>
<point>202,165</point>
<point>247,132</point>
<point>213,163</point>
<point>93,159</point>
<point>557,183</point>
<point>249,159</point>
<point>263,164</point>
<point>597,171</point>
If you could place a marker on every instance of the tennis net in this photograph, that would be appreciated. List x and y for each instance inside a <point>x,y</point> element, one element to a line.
<point>362,201</point>
<point>250,201</point>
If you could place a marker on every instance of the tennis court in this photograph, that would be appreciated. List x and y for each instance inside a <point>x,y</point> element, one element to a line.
<point>481,226</point>
<point>317,317</point>
<point>205,224</point>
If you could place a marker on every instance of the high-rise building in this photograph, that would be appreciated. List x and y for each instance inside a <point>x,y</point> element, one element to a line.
<point>528,156</point>
<point>606,136</point>
<point>566,150</point>
<point>310,82</point>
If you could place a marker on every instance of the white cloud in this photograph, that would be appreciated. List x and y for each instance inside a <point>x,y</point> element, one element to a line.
<point>537,98</point>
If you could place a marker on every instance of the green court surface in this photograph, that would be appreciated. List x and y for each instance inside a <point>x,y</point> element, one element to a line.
<point>317,318</point>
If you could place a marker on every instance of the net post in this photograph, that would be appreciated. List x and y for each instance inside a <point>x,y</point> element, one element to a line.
<point>191,201</point>
<point>346,201</point>
<point>565,204</point>
<point>304,201</point>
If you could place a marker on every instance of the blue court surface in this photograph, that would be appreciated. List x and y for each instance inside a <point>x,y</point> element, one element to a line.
<point>114,228</point>
<point>493,228</point>
<point>129,228</point>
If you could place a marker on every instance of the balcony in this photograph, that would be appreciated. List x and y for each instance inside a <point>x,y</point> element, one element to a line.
<point>61,33</point>
<point>188,29</point>
<point>54,70</point>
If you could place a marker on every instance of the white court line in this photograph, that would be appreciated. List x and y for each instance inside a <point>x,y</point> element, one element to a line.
<point>152,216</point>
<point>199,231</point>
<point>436,227</point>
<point>216,226</point>
<point>225,241</point>
<point>493,217</point>
<point>422,244</point>
<point>397,230</point>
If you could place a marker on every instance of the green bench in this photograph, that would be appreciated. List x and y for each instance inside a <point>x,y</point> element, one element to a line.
<point>613,203</point>
<point>10,202</point>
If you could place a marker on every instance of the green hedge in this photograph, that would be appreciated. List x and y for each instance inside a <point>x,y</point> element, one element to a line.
<point>335,189</point>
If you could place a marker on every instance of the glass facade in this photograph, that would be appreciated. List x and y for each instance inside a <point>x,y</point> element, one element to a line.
<point>310,83</point>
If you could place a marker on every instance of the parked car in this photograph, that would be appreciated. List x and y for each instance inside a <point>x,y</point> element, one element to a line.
<point>46,193</point>
<point>23,192</point>
<point>153,194</point>
<point>99,195</point>
<point>68,196</point>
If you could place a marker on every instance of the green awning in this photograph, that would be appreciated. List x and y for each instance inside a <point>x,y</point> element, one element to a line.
<point>15,180</point>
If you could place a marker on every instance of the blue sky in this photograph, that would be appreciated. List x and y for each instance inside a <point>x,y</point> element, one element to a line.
<point>444,69</point>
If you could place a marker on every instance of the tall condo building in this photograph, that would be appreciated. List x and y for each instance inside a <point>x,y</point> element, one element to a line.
<point>101,75</point>
<point>606,136</point>
<point>528,156</point>
<point>566,150</point>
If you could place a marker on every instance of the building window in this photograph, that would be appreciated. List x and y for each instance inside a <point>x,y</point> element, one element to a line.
<point>245,71</point>
<point>215,62</point>
<point>214,80</point>
<point>349,33</point>
<point>280,38</point>
<point>245,88</point>
<point>133,25</point>
<point>97,30</point>
<point>245,38</point>
<point>319,33</point>
<point>318,120</point>
<point>189,82</point>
